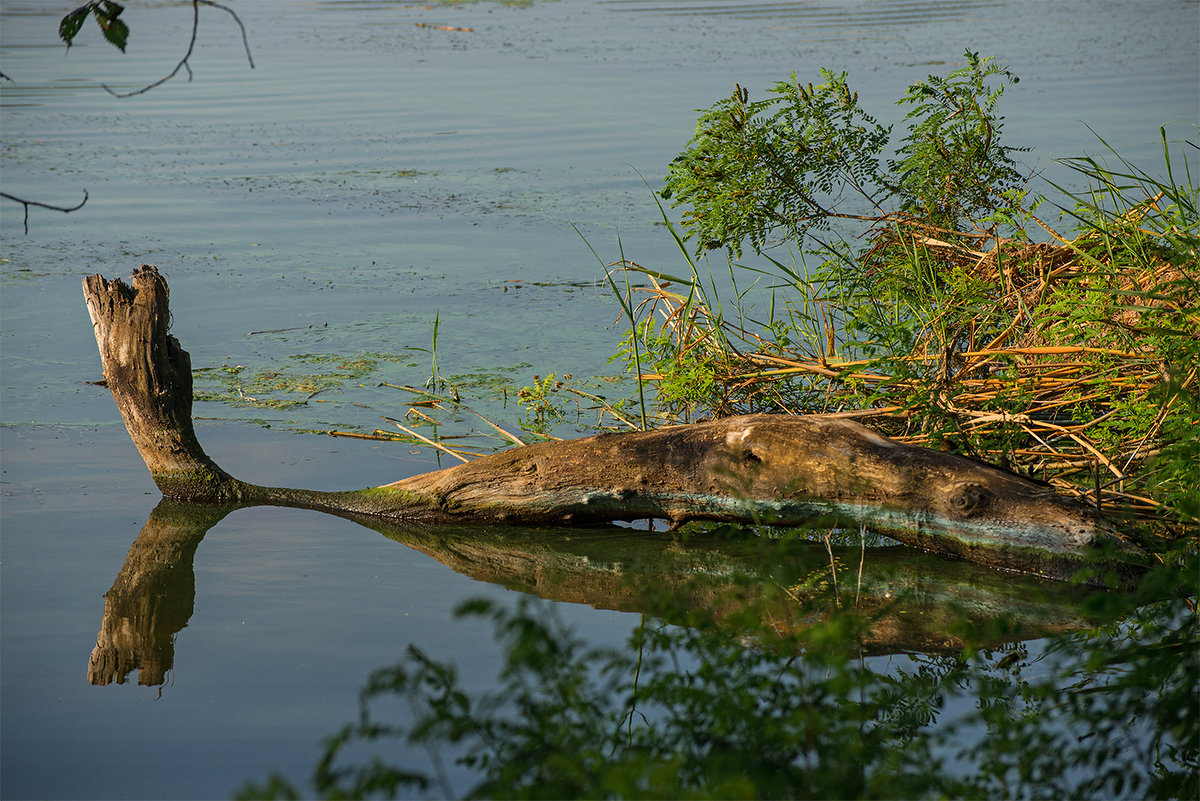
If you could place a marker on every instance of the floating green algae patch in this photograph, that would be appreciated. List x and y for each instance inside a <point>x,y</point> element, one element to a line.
<point>494,384</point>
<point>285,386</point>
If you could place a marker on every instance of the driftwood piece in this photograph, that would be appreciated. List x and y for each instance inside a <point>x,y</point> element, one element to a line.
<point>769,469</point>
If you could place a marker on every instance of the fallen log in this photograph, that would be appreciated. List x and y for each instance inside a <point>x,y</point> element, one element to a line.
<point>762,469</point>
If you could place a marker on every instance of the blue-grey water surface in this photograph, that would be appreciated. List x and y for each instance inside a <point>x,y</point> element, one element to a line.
<point>373,171</point>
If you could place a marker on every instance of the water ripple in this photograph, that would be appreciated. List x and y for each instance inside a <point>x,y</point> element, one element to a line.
<point>824,14</point>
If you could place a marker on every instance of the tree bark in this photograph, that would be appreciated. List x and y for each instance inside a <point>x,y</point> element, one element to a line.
<point>761,469</point>
<point>150,378</point>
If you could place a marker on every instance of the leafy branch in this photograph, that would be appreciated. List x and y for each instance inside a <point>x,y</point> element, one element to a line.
<point>106,14</point>
<point>809,156</point>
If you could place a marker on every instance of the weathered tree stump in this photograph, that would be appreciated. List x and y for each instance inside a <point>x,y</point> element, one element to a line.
<point>768,469</point>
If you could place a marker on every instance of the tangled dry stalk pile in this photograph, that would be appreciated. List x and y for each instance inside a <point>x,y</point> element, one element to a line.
<point>1053,359</point>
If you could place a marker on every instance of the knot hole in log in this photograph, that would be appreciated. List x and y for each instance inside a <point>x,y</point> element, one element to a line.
<point>969,499</point>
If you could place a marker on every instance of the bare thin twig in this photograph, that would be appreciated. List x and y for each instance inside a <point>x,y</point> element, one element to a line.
<point>28,203</point>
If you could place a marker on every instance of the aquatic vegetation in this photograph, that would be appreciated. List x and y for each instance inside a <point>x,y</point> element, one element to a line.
<point>284,386</point>
<point>943,309</point>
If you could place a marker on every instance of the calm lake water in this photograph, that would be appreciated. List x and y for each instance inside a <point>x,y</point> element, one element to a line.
<point>371,173</point>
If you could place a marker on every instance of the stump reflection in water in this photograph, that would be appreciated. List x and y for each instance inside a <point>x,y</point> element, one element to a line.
<point>152,598</point>
<point>906,600</point>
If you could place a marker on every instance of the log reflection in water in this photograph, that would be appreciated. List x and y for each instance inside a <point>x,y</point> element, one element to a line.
<point>153,595</point>
<point>763,586</point>
<point>909,601</point>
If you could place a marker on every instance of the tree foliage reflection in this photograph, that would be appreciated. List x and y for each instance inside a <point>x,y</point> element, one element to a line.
<point>702,711</point>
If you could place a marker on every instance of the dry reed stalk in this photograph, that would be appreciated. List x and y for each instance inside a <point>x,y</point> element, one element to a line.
<point>431,443</point>
<point>1026,385</point>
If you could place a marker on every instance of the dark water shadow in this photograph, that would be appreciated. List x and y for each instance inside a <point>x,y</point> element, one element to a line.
<point>904,600</point>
